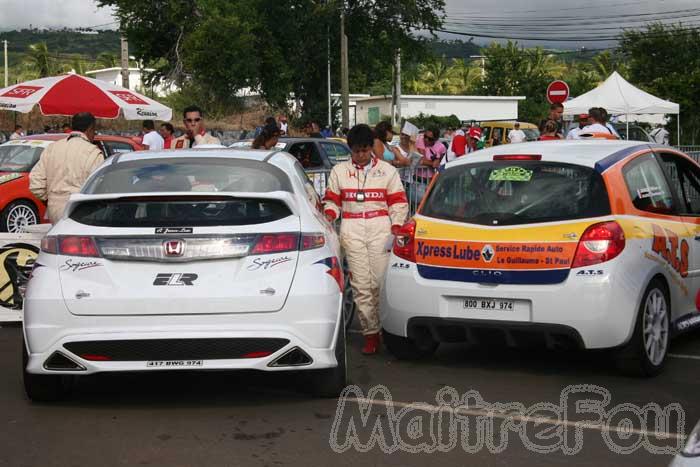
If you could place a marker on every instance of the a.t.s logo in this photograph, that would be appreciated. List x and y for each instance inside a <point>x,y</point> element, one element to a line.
<point>667,245</point>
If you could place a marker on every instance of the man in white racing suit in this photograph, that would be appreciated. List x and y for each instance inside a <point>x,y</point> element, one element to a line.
<point>368,195</point>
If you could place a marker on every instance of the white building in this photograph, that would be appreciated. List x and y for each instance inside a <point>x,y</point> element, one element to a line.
<point>114,76</point>
<point>352,100</point>
<point>370,110</point>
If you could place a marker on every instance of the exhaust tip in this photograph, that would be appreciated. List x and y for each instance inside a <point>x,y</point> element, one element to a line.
<point>293,357</point>
<point>59,362</point>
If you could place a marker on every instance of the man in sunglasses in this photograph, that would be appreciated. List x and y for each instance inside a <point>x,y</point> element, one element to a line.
<point>195,133</point>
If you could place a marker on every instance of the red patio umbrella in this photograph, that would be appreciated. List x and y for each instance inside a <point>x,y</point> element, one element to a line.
<point>67,95</point>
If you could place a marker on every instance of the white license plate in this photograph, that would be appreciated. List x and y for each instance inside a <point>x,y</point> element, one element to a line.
<point>173,363</point>
<point>489,304</point>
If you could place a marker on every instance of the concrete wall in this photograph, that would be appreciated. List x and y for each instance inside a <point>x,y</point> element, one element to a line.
<point>464,107</point>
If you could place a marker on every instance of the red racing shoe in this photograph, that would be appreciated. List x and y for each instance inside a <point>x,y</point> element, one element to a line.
<point>372,344</point>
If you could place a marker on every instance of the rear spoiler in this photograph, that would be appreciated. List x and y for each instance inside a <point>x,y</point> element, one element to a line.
<point>284,196</point>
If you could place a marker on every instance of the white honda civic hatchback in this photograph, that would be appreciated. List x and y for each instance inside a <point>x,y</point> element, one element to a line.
<point>204,259</point>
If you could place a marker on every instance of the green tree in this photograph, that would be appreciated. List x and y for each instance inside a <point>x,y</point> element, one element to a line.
<point>663,61</point>
<point>515,71</point>
<point>39,60</point>
<point>605,63</point>
<point>277,48</point>
<point>465,77</point>
<point>435,76</point>
<point>580,77</point>
<point>107,60</point>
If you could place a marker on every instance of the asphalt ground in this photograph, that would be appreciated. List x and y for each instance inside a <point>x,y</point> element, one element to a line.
<point>252,419</point>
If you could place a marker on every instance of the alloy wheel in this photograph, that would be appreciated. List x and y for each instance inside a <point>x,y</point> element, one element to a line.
<point>655,326</point>
<point>19,218</point>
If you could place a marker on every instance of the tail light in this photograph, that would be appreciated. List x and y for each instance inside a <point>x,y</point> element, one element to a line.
<point>77,246</point>
<point>336,272</point>
<point>404,240</point>
<point>310,241</point>
<point>49,245</point>
<point>70,245</point>
<point>599,243</point>
<point>276,243</point>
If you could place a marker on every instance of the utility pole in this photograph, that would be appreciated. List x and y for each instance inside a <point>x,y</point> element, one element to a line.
<point>5,42</point>
<point>125,62</point>
<point>330,103</point>
<point>344,78</point>
<point>396,115</point>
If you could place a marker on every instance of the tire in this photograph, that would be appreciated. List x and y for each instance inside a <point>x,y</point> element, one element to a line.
<point>404,348</point>
<point>17,215</point>
<point>646,353</point>
<point>43,388</point>
<point>329,383</point>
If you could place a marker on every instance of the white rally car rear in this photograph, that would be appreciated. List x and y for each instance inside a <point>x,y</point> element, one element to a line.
<point>167,262</point>
<point>519,245</point>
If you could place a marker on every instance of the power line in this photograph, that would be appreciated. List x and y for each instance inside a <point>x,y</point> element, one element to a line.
<point>588,7</point>
<point>587,38</point>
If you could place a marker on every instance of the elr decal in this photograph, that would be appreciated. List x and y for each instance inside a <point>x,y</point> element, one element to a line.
<point>175,279</point>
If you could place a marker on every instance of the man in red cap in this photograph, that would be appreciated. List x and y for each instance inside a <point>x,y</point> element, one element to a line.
<point>474,138</point>
<point>582,122</point>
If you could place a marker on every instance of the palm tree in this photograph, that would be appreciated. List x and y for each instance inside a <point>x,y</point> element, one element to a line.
<point>605,63</point>
<point>107,60</point>
<point>435,75</point>
<point>541,63</point>
<point>40,60</point>
<point>464,77</point>
<point>77,66</point>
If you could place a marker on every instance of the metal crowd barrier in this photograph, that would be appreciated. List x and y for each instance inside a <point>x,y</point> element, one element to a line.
<point>692,151</point>
<point>413,180</point>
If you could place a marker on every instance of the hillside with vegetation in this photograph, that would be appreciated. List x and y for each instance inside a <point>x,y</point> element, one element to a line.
<point>33,53</point>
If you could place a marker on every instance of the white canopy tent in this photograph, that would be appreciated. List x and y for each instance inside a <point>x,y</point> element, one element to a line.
<point>619,97</point>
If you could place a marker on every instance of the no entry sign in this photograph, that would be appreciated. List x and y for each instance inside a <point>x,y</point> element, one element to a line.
<point>557,92</point>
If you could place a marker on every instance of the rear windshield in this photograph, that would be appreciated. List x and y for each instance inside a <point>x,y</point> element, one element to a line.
<point>187,175</point>
<point>517,192</point>
<point>19,158</point>
<point>173,212</point>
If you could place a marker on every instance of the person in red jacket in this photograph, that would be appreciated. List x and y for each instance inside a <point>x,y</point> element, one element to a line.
<point>367,193</point>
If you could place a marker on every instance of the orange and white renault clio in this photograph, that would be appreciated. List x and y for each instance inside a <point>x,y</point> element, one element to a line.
<point>586,244</point>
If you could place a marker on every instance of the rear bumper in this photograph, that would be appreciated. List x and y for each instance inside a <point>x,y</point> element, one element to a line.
<point>498,333</point>
<point>132,355</point>
<point>215,342</point>
<point>600,308</point>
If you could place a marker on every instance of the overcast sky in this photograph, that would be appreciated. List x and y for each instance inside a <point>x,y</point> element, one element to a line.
<point>523,18</point>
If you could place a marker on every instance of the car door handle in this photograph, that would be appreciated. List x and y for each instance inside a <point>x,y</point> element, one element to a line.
<point>80,294</point>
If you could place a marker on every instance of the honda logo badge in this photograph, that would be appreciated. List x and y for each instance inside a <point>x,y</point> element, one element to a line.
<point>174,248</point>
